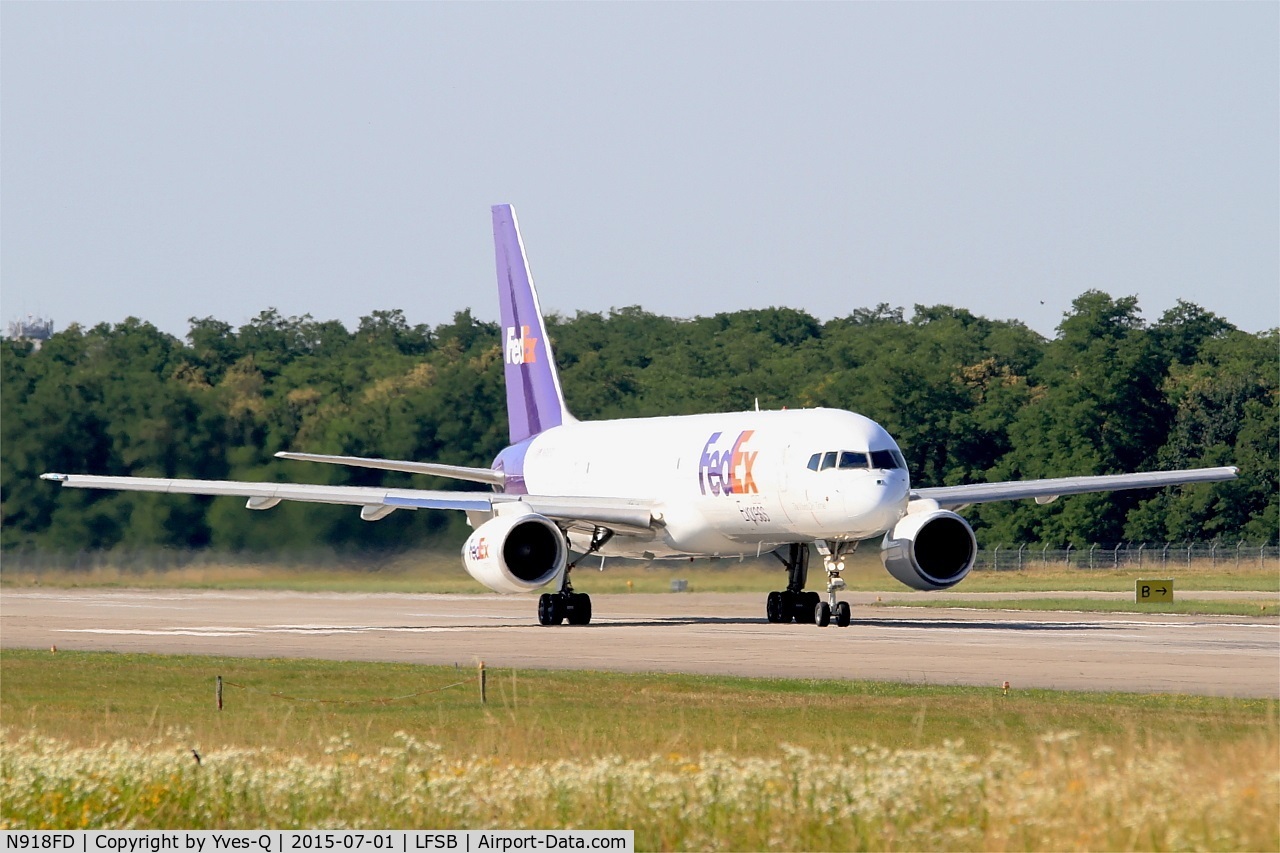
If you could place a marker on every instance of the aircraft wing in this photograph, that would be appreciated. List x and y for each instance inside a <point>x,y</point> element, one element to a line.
<point>1046,491</point>
<point>435,469</point>
<point>376,503</point>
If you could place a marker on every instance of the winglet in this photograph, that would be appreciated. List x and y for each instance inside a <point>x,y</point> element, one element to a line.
<point>535,402</point>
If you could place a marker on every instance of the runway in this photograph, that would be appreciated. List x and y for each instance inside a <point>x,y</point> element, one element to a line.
<point>693,632</point>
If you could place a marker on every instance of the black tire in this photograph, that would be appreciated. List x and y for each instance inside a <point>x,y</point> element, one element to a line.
<point>578,608</point>
<point>549,610</point>
<point>773,607</point>
<point>787,601</point>
<point>805,606</point>
<point>822,614</point>
<point>843,616</point>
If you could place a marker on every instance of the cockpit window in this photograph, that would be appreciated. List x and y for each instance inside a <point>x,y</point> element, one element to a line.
<point>852,459</point>
<point>857,460</point>
<point>887,460</point>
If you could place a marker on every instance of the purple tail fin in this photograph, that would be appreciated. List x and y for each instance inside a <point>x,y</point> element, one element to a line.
<point>535,402</point>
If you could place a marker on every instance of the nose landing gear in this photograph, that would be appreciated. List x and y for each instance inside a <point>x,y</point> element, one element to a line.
<point>833,562</point>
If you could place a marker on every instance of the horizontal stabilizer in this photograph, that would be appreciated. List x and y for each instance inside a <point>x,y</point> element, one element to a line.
<point>434,469</point>
<point>950,497</point>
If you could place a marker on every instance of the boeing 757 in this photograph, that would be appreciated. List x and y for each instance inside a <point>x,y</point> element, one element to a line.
<point>713,485</point>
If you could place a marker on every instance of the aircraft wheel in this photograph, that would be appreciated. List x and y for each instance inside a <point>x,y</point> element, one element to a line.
<point>578,608</point>
<point>843,616</point>
<point>822,614</point>
<point>787,607</point>
<point>805,606</point>
<point>773,607</point>
<point>549,611</point>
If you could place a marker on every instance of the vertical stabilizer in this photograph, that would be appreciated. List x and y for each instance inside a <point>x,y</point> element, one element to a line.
<point>534,400</point>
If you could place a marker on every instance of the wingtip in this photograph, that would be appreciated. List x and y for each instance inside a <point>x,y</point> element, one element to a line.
<point>57,478</point>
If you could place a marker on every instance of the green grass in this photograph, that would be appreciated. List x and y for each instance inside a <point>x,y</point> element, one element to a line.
<point>689,762</point>
<point>88,697</point>
<point>443,573</point>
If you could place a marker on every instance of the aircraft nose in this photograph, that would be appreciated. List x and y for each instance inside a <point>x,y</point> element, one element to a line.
<point>878,503</point>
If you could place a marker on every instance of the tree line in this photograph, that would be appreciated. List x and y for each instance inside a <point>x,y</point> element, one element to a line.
<point>967,398</point>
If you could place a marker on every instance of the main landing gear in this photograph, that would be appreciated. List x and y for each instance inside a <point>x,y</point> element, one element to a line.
<point>807,607</point>
<point>567,605</point>
<point>556,607</point>
<point>793,603</point>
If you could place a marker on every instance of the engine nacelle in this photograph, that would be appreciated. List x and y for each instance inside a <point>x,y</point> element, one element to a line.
<point>930,550</point>
<point>516,552</point>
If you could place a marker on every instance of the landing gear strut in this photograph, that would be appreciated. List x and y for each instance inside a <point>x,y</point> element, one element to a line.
<point>793,603</point>
<point>833,562</point>
<point>575,607</point>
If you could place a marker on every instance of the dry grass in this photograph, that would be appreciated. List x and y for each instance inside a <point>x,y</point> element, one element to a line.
<point>689,762</point>
<point>433,572</point>
<point>1059,794</point>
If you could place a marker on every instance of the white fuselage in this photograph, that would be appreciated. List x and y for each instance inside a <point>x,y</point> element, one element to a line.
<point>729,484</point>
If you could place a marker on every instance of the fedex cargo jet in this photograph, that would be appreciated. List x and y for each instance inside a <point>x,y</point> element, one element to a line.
<point>717,485</point>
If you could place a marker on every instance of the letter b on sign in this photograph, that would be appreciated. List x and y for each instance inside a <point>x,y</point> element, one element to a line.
<point>1151,591</point>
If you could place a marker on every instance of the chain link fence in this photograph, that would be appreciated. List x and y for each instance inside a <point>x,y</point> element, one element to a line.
<point>998,558</point>
<point>1224,555</point>
<point>155,560</point>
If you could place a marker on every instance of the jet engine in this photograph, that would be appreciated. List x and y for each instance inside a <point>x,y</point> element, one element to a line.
<point>930,549</point>
<point>516,553</point>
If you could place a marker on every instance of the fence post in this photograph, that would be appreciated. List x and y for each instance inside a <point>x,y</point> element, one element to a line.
<point>1092,548</point>
<point>995,559</point>
<point>1044,556</point>
<point>1068,557</point>
<point>1164,555</point>
<point>483,685</point>
<point>1188,555</point>
<point>218,692</point>
<point>1021,548</point>
<point>1213,554</point>
<point>1140,547</point>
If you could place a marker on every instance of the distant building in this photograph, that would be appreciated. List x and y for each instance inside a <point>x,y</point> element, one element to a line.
<point>34,329</point>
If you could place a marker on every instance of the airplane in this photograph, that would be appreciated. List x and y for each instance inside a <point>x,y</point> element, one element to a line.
<point>713,485</point>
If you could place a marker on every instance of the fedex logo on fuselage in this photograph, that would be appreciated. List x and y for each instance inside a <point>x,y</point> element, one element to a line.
<point>521,349</point>
<point>727,471</point>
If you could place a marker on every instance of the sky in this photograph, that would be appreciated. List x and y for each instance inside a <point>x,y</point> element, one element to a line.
<point>177,160</point>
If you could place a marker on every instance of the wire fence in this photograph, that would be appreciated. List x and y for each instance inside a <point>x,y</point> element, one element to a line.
<point>140,561</point>
<point>1138,555</point>
<point>998,558</point>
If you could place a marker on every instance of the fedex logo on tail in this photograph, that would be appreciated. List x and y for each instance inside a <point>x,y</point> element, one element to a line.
<point>727,471</point>
<point>521,349</point>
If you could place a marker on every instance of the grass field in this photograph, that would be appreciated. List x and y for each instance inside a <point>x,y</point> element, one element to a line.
<point>689,762</point>
<point>443,573</point>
